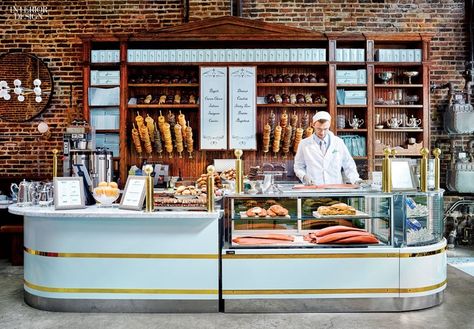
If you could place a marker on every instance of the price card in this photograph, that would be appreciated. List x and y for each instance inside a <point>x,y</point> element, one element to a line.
<point>68,193</point>
<point>243,108</point>
<point>213,108</point>
<point>134,193</point>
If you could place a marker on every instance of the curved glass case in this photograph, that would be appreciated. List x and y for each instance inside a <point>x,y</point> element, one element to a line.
<point>333,219</point>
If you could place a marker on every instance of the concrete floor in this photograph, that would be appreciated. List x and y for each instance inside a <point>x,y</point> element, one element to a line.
<point>455,312</point>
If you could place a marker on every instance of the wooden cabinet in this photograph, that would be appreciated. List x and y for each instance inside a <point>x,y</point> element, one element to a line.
<point>401,93</point>
<point>149,85</point>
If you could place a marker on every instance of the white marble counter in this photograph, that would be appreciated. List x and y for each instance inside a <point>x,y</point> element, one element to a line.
<point>113,212</point>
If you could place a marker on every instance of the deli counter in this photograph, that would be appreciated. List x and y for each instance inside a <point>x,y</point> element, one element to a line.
<point>387,253</point>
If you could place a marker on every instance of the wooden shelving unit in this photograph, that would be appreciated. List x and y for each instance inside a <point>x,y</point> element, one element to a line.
<point>232,32</point>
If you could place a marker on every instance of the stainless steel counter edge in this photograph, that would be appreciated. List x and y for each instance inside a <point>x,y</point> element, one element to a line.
<point>95,212</point>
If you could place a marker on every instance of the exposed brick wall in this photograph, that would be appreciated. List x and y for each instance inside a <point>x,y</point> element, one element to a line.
<point>54,39</point>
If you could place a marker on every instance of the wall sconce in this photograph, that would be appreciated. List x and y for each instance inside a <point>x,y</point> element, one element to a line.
<point>20,91</point>
<point>44,130</point>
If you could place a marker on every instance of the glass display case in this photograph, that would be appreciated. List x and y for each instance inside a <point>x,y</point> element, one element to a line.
<point>366,219</point>
<point>285,220</point>
<point>419,218</point>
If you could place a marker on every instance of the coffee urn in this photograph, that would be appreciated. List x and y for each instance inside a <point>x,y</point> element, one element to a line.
<point>102,170</point>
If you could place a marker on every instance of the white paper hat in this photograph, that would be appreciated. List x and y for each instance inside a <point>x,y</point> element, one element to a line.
<point>321,115</point>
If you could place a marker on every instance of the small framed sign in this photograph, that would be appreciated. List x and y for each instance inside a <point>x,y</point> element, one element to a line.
<point>134,193</point>
<point>403,178</point>
<point>68,193</point>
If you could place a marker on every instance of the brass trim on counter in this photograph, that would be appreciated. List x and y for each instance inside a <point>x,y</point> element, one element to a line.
<point>423,254</point>
<point>423,289</point>
<point>122,290</point>
<point>114,255</point>
<point>333,291</point>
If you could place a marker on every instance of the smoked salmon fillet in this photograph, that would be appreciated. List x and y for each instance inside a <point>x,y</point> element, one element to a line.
<point>363,239</point>
<point>335,229</point>
<point>335,237</point>
<point>263,239</point>
<point>257,241</point>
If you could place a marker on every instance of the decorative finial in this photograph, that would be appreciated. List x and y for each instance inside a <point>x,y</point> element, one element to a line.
<point>238,153</point>
<point>148,169</point>
<point>394,152</point>
<point>436,152</point>
<point>55,151</point>
<point>387,152</point>
<point>424,152</point>
<point>211,169</point>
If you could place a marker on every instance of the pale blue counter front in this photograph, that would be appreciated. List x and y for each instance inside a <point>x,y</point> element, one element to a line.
<point>107,259</point>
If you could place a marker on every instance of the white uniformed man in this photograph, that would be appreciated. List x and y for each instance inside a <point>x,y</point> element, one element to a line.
<point>321,157</point>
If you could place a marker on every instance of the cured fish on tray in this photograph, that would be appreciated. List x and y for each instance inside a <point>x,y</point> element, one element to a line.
<point>336,229</point>
<point>341,235</point>
<point>263,239</point>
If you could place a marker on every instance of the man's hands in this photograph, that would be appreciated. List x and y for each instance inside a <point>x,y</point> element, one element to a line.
<point>307,180</point>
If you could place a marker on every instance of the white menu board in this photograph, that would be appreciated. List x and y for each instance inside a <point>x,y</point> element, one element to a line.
<point>213,108</point>
<point>243,108</point>
<point>68,193</point>
<point>134,193</point>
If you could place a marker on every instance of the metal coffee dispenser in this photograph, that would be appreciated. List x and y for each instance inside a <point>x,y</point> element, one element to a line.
<point>102,170</point>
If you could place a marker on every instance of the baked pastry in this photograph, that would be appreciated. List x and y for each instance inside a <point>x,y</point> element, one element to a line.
<point>256,212</point>
<point>337,209</point>
<point>278,210</point>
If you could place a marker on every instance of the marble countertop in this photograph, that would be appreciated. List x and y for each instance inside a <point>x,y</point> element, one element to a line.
<point>112,212</point>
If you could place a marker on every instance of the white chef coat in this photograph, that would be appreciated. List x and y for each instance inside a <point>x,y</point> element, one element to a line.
<point>325,169</point>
